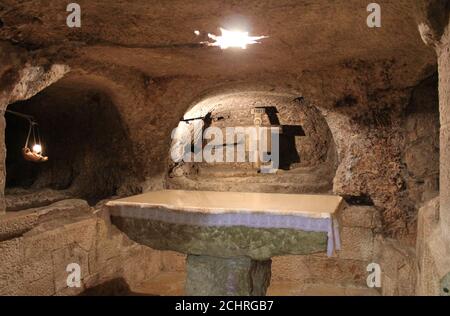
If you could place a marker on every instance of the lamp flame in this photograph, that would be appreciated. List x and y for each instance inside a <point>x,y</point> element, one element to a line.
<point>237,39</point>
<point>37,149</point>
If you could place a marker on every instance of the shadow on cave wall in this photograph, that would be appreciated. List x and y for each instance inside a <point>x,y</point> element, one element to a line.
<point>113,287</point>
<point>82,134</point>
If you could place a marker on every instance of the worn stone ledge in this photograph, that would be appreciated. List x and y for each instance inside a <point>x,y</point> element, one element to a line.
<point>19,200</point>
<point>360,216</point>
<point>16,224</point>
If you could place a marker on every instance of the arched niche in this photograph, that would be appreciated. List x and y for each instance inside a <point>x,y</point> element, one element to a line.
<point>307,149</point>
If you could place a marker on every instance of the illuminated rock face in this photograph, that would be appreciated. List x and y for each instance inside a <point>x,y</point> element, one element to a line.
<point>376,90</point>
<point>361,84</point>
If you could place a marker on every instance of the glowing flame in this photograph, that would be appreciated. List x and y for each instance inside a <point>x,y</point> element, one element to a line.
<point>233,39</point>
<point>37,149</point>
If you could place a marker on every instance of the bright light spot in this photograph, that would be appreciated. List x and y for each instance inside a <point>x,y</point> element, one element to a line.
<point>233,39</point>
<point>196,32</point>
<point>37,149</point>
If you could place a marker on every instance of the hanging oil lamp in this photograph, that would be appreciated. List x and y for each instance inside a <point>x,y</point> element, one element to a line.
<point>35,153</point>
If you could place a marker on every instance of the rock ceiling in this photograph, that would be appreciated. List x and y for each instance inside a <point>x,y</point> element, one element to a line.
<point>157,37</point>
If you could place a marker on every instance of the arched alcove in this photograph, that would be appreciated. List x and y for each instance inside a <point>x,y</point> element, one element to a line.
<point>307,155</point>
<point>85,139</point>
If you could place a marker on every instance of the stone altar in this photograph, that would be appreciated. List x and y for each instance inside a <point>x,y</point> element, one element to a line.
<point>230,237</point>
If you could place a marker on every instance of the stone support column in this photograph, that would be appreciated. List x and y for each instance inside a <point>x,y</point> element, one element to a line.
<point>212,276</point>
<point>434,263</point>
<point>444,105</point>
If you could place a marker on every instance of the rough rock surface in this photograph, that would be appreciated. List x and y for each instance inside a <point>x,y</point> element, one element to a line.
<point>145,61</point>
<point>18,199</point>
<point>361,85</point>
<point>225,242</point>
<point>433,250</point>
<point>428,276</point>
<point>307,155</point>
<point>83,137</point>
<point>421,152</point>
<point>37,245</point>
<point>443,52</point>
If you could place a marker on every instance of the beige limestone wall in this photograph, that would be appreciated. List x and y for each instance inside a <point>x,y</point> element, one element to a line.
<point>37,245</point>
<point>2,164</point>
<point>433,251</point>
<point>444,97</point>
<point>343,93</point>
<point>398,267</point>
<point>348,267</point>
<point>427,272</point>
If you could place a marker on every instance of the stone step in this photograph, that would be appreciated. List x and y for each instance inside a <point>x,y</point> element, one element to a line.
<point>21,199</point>
<point>250,184</point>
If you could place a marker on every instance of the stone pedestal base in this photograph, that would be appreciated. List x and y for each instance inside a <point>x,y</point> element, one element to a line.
<point>212,276</point>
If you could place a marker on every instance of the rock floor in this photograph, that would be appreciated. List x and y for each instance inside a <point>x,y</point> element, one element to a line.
<point>172,284</point>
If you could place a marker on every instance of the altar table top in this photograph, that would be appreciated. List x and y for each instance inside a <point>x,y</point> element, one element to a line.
<point>211,202</point>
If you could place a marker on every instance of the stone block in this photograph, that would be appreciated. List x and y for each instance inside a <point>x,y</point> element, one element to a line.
<point>428,219</point>
<point>428,278</point>
<point>445,179</point>
<point>356,243</point>
<point>407,279</point>
<point>42,287</point>
<point>141,263</point>
<point>12,282</point>
<point>82,232</point>
<point>432,258</point>
<point>359,216</point>
<point>398,267</point>
<point>11,254</point>
<point>314,268</point>
<point>35,264</point>
<point>389,286</point>
<point>105,251</point>
<point>12,225</point>
<point>291,268</point>
<point>38,268</point>
<point>37,244</point>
